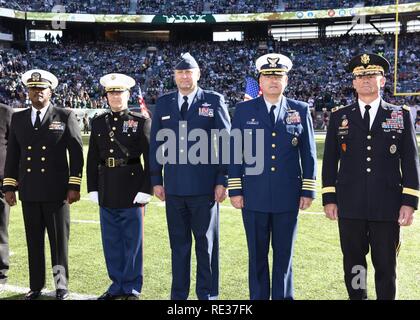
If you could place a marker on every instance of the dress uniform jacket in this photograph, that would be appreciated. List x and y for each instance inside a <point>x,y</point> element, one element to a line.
<point>132,130</point>
<point>208,111</point>
<point>289,157</point>
<point>378,170</point>
<point>5,118</point>
<point>36,161</point>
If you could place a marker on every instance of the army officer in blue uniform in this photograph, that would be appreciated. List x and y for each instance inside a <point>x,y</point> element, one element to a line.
<point>121,184</point>
<point>271,199</point>
<point>191,190</point>
<point>375,188</point>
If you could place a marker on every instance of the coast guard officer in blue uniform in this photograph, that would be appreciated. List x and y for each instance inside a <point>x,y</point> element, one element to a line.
<point>270,201</point>
<point>375,189</point>
<point>121,185</point>
<point>192,191</point>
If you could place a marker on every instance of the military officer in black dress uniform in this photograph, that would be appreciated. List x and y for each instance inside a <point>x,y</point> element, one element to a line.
<point>370,178</point>
<point>37,166</point>
<point>121,185</point>
<point>5,118</point>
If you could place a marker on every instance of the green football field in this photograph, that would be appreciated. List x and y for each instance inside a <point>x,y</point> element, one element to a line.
<point>317,258</point>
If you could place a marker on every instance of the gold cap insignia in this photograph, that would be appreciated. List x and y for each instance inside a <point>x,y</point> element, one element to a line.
<point>113,77</point>
<point>365,59</point>
<point>36,77</point>
<point>273,62</point>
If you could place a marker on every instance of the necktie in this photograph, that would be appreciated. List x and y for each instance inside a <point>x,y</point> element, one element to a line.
<point>366,117</point>
<point>272,115</point>
<point>37,123</point>
<point>184,107</point>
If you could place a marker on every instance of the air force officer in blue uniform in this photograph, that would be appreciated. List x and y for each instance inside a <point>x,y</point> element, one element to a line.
<point>270,200</point>
<point>192,191</point>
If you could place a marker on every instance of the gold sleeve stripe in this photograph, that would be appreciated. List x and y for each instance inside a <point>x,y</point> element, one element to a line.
<point>312,180</point>
<point>10,182</point>
<point>411,192</point>
<point>234,188</point>
<point>328,190</point>
<point>10,179</point>
<point>309,183</point>
<point>74,180</point>
<point>234,179</point>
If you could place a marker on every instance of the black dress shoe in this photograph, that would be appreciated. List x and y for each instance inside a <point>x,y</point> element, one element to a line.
<point>33,295</point>
<point>131,297</point>
<point>108,296</point>
<point>61,294</point>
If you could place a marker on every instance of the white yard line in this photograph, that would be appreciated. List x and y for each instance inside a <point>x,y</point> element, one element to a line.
<point>85,221</point>
<point>22,290</point>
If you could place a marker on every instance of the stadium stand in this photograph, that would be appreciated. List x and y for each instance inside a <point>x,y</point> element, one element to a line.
<point>187,6</point>
<point>318,76</point>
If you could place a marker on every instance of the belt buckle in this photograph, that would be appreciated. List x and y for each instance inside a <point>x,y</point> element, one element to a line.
<point>110,162</point>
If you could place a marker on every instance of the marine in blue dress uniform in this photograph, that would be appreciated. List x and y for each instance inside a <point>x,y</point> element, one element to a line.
<point>119,182</point>
<point>370,178</point>
<point>37,166</point>
<point>191,190</point>
<point>271,199</point>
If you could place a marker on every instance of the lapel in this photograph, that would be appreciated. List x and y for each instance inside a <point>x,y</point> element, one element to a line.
<point>263,112</point>
<point>380,116</point>
<point>284,106</point>
<point>174,106</point>
<point>30,133</point>
<point>46,121</point>
<point>355,117</point>
<point>47,117</point>
<point>197,101</point>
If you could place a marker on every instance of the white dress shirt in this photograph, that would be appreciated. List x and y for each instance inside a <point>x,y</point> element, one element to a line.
<point>373,110</point>
<point>41,115</point>
<point>276,110</point>
<point>191,97</point>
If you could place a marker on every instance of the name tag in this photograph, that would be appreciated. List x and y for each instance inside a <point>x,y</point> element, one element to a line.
<point>253,122</point>
<point>166,118</point>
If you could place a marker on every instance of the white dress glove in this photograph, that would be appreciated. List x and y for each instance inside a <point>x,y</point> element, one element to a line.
<point>142,198</point>
<point>93,196</point>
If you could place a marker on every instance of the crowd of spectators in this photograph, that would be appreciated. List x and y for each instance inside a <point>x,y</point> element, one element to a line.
<point>318,77</point>
<point>187,6</point>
